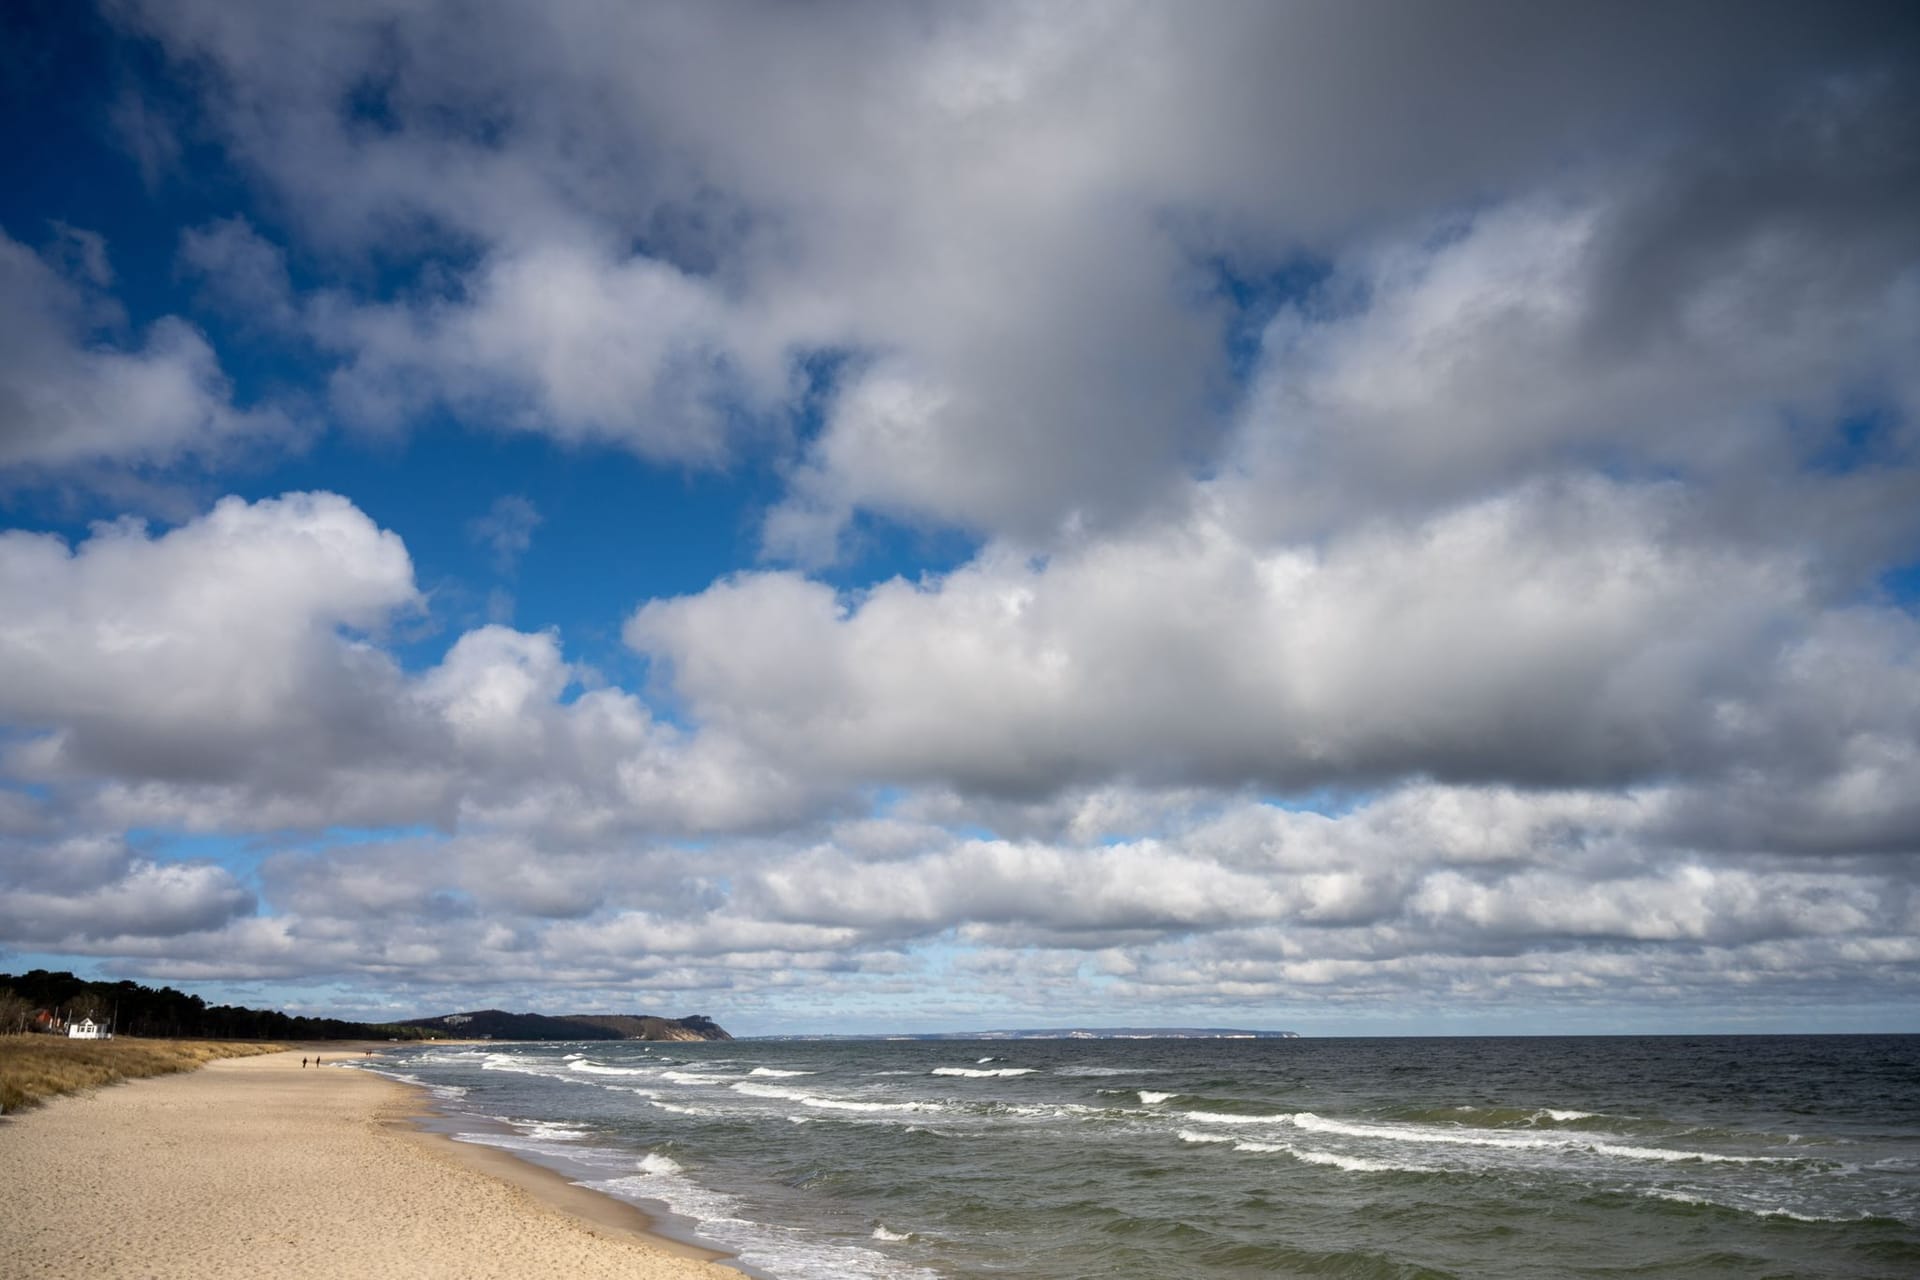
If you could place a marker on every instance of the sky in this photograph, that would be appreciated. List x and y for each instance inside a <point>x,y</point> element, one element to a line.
<point>1363,519</point>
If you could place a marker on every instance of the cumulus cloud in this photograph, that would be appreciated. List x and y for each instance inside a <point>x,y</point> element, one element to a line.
<point>1018,220</point>
<point>1507,353</point>
<point>565,340</point>
<point>88,891</point>
<point>1563,633</point>
<point>1425,896</point>
<point>230,673</point>
<point>218,647</point>
<point>69,399</point>
<point>1492,428</point>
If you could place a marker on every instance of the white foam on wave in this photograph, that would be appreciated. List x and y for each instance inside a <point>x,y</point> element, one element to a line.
<point>595,1068</point>
<point>841,1104</point>
<point>776,1071</point>
<point>1228,1117</point>
<point>452,1055</point>
<point>1099,1071</point>
<point>553,1132</point>
<point>526,1066</point>
<point>973,1073</point>
<point>1306,1155</point>
<point>1559,1116</point>
<point>771,1091</point>
<point>1332,1159</point>
<point>1424,1134</point>
<point>678,1110</point>
<point>691,1077</point>
<point>1675,1157</point>
<point>788,1252</point>
<point>881,1233</point>
<point>1430,1135</point>
<point>654,1164</point>
<point>1759,1211</point>
<point>1150,1097</point>
<point>1807,1217</point>
<point>805,1099</point>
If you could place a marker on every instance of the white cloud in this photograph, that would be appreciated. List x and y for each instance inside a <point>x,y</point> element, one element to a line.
<point>1424,897</point>
<point>228,674</point>
<point>567,340</point>
<point>1497,356</point>
<point>88,891</point>
<point>72,396</point>
<point>1560,632</point>
<point>202,648</point>
<point>1536,537</point>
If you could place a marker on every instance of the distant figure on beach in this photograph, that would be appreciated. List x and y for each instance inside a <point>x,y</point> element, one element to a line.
<point>316,1059</point>
<point>303,1064</point>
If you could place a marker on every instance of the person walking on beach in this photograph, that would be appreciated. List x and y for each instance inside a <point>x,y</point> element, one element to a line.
<point>303,1064</point>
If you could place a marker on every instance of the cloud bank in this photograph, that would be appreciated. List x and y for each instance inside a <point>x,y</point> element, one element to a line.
<point>1438,489</point>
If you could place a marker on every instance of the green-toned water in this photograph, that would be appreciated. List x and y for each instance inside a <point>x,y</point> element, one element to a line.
<point>1057,1160</point>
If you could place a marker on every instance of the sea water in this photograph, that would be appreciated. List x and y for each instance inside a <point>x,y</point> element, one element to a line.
<point>1065,1159</point>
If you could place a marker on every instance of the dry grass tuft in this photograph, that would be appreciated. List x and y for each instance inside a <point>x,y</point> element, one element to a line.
<point>33,1068</point>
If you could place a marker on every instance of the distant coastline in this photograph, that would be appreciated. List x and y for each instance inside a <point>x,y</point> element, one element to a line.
<point>1062,1033</point>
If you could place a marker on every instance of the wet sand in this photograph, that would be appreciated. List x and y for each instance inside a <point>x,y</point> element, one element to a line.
<point>258,1167</point>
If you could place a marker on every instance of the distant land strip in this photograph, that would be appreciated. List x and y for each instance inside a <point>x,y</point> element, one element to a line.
<point>1069,1033</point>
<point>49,1002</point>
<point>497,1024</point>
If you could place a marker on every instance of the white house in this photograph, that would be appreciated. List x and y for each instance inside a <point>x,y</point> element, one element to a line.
<point>87,1029</point>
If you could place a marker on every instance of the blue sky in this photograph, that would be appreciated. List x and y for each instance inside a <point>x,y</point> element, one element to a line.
<point>1295,518</point>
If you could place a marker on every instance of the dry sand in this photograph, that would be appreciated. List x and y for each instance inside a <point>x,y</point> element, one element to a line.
<point>256,1167</point>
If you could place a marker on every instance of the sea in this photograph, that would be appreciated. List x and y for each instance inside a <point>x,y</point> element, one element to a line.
<point>1737,1156</point>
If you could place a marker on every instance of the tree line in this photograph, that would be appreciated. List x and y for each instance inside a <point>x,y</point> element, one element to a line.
<point>162,1012</point>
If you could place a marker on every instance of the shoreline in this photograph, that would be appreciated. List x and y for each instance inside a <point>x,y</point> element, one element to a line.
<point>254,1166</point>
<point>551,1187</point>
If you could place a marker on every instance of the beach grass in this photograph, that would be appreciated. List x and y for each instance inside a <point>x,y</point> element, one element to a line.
<point>36,1067</point>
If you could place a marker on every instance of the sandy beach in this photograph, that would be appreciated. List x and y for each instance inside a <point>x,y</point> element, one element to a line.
<point>258,1167</point>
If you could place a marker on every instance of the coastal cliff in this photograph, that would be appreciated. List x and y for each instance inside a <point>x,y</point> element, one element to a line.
<point>638,1027</point>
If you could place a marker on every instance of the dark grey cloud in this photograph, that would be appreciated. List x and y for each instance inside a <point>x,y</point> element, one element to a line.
<point>948,194</point>
<point>1803,209</point>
